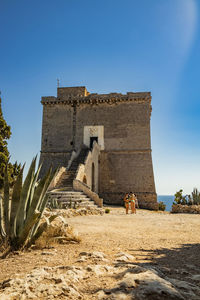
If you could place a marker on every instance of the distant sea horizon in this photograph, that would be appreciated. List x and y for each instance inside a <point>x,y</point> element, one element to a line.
<point>167,199</point>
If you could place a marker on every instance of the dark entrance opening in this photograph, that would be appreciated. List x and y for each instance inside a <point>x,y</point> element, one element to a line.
<point>92,139</point>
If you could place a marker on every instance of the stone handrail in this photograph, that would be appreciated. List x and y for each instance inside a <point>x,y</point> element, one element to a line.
<point>80,171</point>
<point>95,146</point>
<point>80,186</point>
<point>81,167</point>
<point>56,178</point>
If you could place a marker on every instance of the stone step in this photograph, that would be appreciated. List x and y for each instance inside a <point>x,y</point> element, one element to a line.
<point>77,205</point>
<point>81,202</point>
<point>73,201</point>
<point>89,203</point>
<point>66,184</point>
<point>65,188</point>
<point>67,178</point>
<point>69,199</point>
<point>66,192</point>
<point>60,196</point>
<point>68,195</point>
<point>67,175</point>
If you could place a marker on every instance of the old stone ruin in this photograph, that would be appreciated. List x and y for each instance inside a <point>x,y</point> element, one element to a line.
<point>100,144</point>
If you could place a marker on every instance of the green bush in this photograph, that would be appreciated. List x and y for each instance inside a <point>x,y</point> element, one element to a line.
<point>13,169</point>
<point>161,206</point>
<point>193,199</point>
<point>107,211</point>
<point>22,209</point>
<point>196,197</point>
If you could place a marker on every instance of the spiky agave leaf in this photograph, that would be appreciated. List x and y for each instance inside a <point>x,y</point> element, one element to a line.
<point>2,225</point>
<point>43,202</point>
<point>24,233</point>
<point>15,203</point>
<point>38,195</point>
<point>5,202</point>
<point>24,196</point>
<point>34,185</point>
<point>38,229</point>
<point>26,208</point>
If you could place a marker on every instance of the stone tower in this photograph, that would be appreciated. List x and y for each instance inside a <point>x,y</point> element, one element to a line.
<point>121,126</point>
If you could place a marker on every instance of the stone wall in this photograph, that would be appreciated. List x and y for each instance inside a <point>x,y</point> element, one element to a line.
<point>126,125</point>
<point>68,92</point>
<point>186,209</point>
<point>55,160</point>
<point>125,162</point>
<point>57,136</point>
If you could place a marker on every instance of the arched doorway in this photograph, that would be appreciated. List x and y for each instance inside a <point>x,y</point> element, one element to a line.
<point>93,178</point>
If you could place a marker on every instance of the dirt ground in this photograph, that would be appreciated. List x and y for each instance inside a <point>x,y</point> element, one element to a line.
<point>157,238</point>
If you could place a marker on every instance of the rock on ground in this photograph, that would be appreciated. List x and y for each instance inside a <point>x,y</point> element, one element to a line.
<point>57,232</point>
<point>97,279</point>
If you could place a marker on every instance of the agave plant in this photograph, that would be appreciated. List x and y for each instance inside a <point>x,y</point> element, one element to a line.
<point>20,212</point>
<point>54,204</point>
<point>196,196</point>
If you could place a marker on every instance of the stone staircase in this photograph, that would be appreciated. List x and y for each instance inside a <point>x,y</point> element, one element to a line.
<point>64,192</point>
<point>71,199</point>
<point>66,180</point>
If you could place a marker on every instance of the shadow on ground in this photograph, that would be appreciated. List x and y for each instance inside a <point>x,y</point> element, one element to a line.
<point>173,274</point>
<point>184,259</point>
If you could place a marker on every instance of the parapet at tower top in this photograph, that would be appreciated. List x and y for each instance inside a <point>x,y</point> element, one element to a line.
<point>79,94</point>
<point>81,91</point>
<point>75,91</point>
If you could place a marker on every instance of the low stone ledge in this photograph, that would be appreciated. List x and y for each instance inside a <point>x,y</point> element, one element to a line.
<point>151,205</point>
<point>185,209</point>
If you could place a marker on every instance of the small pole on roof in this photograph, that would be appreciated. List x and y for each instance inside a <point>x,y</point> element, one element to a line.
<point>58,82</point>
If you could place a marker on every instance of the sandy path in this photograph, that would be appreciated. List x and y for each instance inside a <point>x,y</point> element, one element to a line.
<point>145,230</point>
<point>168,240</point>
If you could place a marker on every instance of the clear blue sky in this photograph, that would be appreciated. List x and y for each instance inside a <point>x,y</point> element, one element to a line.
<point>108,46</point>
